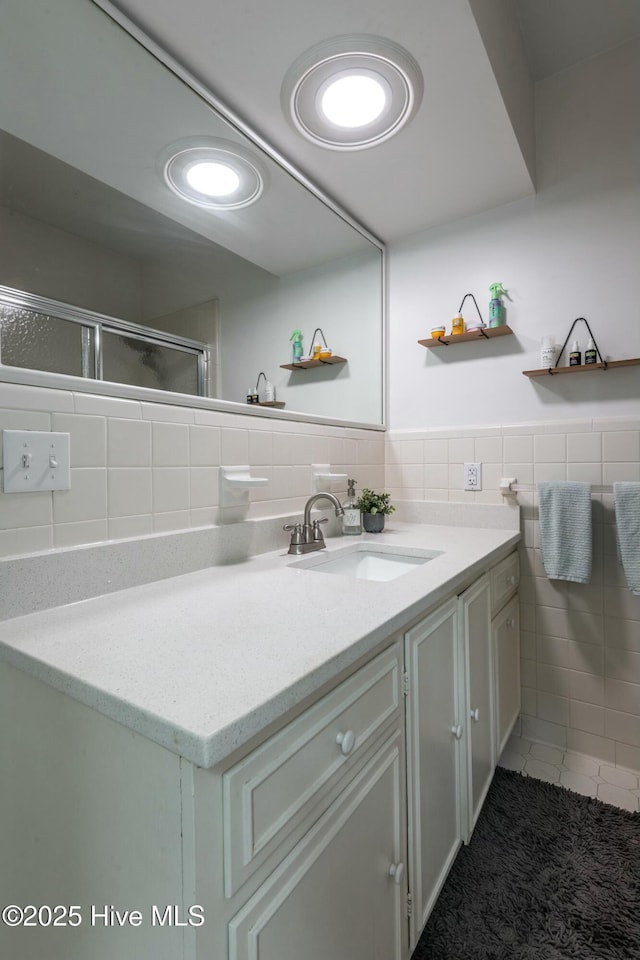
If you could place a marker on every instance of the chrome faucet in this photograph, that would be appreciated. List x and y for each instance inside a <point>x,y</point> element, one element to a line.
<point>307,536</point>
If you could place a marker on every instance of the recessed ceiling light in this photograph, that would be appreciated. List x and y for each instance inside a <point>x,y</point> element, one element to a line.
<point>213,173</point>
<point>352,92</point>
<point>212,179</point>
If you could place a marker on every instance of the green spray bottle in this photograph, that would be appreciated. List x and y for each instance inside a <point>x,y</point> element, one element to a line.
<point>496,306</point>
<point>296,337</point>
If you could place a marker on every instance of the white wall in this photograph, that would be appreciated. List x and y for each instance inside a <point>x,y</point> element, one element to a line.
<point>42,259</point>
<point>572,251</point>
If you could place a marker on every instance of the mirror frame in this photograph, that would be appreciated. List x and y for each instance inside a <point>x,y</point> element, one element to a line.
<point>106,388</point>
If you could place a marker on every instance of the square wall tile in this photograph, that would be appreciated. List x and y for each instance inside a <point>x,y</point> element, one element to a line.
<point>550,448</point>
<point>584,447</point>
<point>234,447</point>
<point>88,438</point>
<point>25,510</point>
<point>170,489</point>
<point>587,717</point>
<point>436,451</point>
<point>87,498</point>
<point>204,446</point>
<point>128,491</point>
<point>622,726</point>
<point>260,447</point>
<point>580,741</point>
<point>461,450</point>
<point>170,444</point>
<point>128,443</point>
<point>620,446</point>
<point>203,487</point>
<point>488,450</point>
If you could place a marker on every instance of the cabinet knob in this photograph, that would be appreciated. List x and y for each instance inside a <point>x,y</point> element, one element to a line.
<point>346,741</point>
<point>396,870</point>
<point>457,731</point>
<point>512,580</point>
<point>475,715</point>
<point>511,623</point>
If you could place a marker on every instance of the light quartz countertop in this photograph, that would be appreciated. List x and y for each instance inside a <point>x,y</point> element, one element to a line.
<point>201,663</point>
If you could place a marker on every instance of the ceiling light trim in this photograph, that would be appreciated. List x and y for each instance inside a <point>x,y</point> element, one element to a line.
<point>178,158</point>
<point>311,73</point>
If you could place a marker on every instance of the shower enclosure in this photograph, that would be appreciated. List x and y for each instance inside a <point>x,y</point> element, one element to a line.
<point>41,334</point>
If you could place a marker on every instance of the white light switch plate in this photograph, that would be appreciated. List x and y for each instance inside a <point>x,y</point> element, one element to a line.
<point>35,460</point>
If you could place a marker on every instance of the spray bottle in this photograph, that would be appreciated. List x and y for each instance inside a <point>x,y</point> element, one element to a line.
<point>296,337</point>
<point>496,306</point>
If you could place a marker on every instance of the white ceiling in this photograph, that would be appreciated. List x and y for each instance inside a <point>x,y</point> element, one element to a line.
<point>471,145</point>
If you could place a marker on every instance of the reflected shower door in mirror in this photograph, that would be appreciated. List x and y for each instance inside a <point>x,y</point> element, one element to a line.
<point>37,333</point>
<point>95,134</point>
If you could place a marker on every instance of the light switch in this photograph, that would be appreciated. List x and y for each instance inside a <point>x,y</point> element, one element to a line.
<point>35,460</point>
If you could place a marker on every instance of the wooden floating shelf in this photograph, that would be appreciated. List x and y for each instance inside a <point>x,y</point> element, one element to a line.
<point>582,368</point>
<point>308,364</point>
<point>484,333</point>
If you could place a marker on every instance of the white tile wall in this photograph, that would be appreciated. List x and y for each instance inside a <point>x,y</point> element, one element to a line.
<point>139,468</point>
<point>580,645</point>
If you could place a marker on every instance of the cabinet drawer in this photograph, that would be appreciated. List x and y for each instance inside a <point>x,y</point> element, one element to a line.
<point>505,578</point>
<point>273,795</point>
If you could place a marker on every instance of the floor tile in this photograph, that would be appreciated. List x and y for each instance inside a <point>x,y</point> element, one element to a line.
<point>579,783</point>
<point>542,771</point>
<point>548,754</point>
<point>618,777</point>
<point>575,771</point>
<point>618,797</point>
<point>512,761</point>
<point>581,764</point>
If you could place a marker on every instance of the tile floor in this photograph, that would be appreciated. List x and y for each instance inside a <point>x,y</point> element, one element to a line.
<point>586,775</point>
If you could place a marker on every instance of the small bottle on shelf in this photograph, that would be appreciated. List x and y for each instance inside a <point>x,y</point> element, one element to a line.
<point>352,519</point>
<point>591,354</point>
<point>575,356</point>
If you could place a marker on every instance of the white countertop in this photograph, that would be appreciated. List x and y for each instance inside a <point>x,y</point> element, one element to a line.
<point>202,662</point>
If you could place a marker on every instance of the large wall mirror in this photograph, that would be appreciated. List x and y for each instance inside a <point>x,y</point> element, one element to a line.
<point>94,222</point>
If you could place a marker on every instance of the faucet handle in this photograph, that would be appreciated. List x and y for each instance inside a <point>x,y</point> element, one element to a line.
<point>317,532</point>
<point>296,536</point>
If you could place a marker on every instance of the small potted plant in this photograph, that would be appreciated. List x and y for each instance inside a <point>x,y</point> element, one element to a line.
<point>374,507</point>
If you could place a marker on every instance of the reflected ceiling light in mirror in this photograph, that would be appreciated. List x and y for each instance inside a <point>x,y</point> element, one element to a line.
<point>352,92</point>
<point>213,173</point>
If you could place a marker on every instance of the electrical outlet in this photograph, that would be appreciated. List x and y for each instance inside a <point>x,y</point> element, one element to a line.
<point>473,476</point>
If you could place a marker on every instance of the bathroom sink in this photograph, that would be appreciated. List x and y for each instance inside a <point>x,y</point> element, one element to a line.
<point>365,561</point>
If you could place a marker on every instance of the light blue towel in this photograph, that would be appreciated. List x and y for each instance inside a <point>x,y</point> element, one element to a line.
<point>627,500</point>
<point>565,530</point>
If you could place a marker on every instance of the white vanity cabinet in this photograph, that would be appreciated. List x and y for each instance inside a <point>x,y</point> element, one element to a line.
<point>301,844</point>
<point>505,629</point>
<point>435,756</point>
<point>462,700</point>
<point>479,697</point>
<point>341,892</point>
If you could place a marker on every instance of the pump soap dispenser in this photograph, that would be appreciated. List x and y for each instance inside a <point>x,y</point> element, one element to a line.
<point>352,519</point>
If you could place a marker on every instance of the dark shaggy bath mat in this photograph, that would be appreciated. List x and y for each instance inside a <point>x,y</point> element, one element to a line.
<point>548,875</point>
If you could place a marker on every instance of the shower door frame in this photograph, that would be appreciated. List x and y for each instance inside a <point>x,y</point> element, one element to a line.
<point>99,323</point>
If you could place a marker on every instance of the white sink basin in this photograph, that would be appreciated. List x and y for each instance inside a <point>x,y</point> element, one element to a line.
<point>365,561</point>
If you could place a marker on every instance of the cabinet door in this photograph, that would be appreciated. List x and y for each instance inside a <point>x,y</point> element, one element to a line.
<point>476,621</point>
<point>341,893</point>
<point>434,737</point>
<point>506,649</point>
